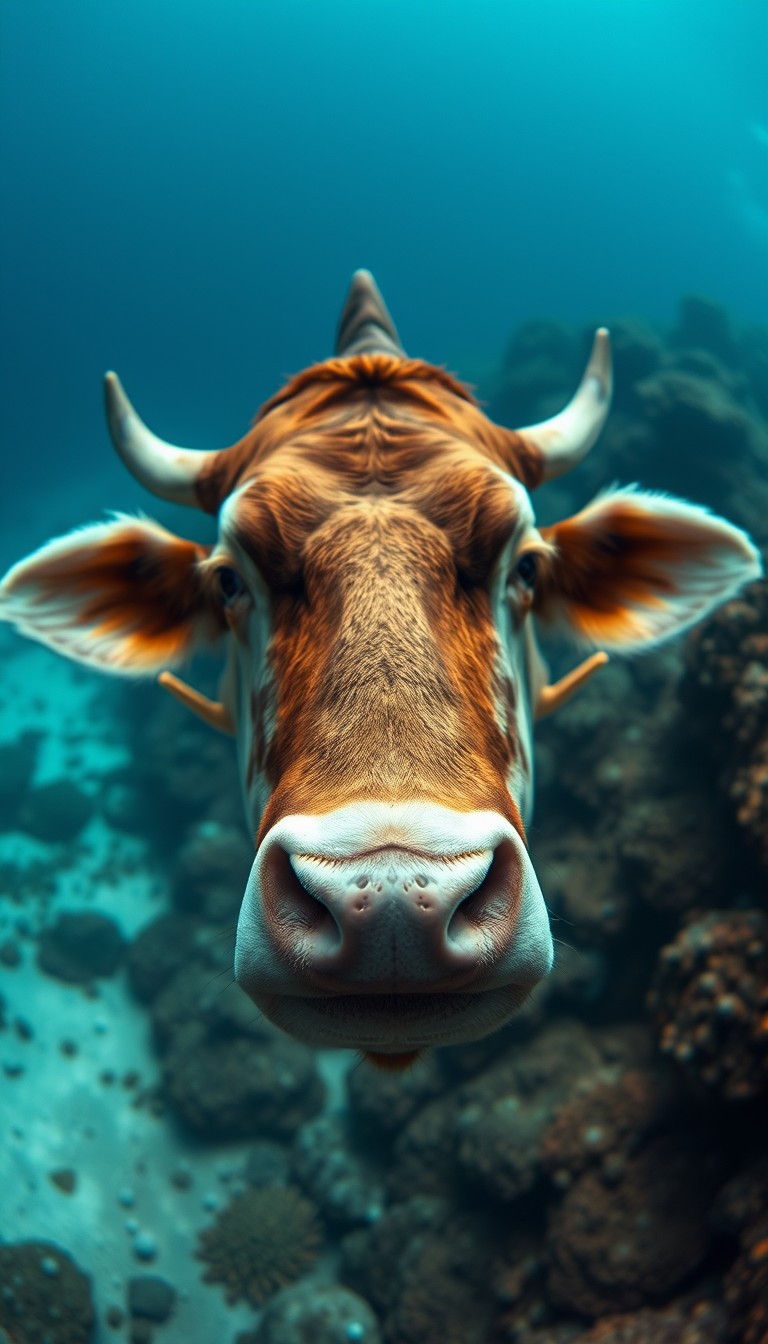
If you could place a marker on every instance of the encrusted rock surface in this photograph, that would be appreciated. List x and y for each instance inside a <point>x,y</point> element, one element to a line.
<point>709,998</point>
<point>424,1268</point>
<point>227,1072</point>
<point>312,1313</point>
<point>633,1238</point>
<point>45,1298</point>
<point>725,695</point>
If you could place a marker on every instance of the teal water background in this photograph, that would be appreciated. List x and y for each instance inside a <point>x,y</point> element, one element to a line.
<point>186,188</point>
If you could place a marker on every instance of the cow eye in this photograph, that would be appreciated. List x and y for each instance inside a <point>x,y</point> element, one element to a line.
<point>526,569</point>
<point>230,583</point>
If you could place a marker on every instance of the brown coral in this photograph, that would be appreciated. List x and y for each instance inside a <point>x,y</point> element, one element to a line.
<point>261,1241</point>
<point>45,1298</point>
<point>620,1245</point>
<point>603,1126</point>
<point>710,1001</point>
<point>725,690</point>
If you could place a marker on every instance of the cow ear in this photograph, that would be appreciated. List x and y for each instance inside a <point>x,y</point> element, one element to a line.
<point>634,568</point>
<point>124,596</point>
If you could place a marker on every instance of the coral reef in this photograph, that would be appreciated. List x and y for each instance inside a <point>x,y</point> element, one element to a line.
<point>710,1001</point>
<point>590,1174</point>
<point>337,1172</point>
<point>601,1126</point>
<point>633,1238</point>
<point>424,1268</point>
<point>701,1322</point>
<point>44,1297</point>
<point>741,1212</point>
<point>725,695</point>
<point>228,1073</point>
<point>312,1313</point>
<point>261,1241</point>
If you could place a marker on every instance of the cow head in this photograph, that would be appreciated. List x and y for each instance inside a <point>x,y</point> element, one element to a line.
<point>374,588</point>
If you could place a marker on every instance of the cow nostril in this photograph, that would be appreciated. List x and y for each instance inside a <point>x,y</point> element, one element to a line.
<point>294,905</point>
<point>494,900</point>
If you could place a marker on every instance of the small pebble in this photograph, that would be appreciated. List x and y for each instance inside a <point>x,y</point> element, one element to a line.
<point>65,1179</point>
<point>144,1246</point>
<point>126,1197</point>
<point>181,1178</point>
<point>151,1297</point>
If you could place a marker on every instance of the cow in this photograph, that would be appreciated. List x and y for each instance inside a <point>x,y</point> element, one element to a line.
<point>374,590</point>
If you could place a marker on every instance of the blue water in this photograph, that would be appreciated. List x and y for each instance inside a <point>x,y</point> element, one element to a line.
<point>186,189</point>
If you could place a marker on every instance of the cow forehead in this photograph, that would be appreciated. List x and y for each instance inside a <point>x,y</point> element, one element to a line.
<point>463,509</point>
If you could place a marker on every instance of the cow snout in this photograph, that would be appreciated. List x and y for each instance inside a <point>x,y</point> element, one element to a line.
<point>391,917</point>
<point>375,908</point>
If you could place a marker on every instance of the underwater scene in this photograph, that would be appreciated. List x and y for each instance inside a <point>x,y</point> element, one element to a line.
<point>384,798</point>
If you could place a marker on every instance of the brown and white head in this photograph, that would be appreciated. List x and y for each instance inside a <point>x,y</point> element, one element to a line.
<point>373,589</point>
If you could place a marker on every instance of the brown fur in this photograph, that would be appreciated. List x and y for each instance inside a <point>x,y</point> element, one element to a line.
<point>376,516</point>
<point>624,558</point>
<point>140,582</point>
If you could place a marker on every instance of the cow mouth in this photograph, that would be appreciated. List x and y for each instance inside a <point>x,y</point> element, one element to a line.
<point>393,1023</point>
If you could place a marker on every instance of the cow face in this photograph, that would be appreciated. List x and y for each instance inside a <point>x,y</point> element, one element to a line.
<point>373,588</point>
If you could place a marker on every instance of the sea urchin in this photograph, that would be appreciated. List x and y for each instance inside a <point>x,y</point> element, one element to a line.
<point>261,1241</point>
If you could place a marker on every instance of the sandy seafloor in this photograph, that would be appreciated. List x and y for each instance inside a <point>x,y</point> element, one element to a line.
<point>57,1112</point>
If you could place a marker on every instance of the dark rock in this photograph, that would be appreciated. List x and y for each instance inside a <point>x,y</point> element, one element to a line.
<point>151,1296</point>
<point>382,1102</point>
<point>81,947</point>
<point>161,949</point>
<point>700,1321</point>
<point>65,1178</point>
<point>18,761</point>
<point>55,812</point>
<point>637,353</point>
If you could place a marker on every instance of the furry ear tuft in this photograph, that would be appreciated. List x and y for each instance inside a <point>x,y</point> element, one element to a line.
<point>125,597</point>
<point>635,568</point>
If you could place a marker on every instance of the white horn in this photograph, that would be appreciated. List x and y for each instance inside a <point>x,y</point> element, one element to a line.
<point>566,439</point>
<point>168,471</point>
